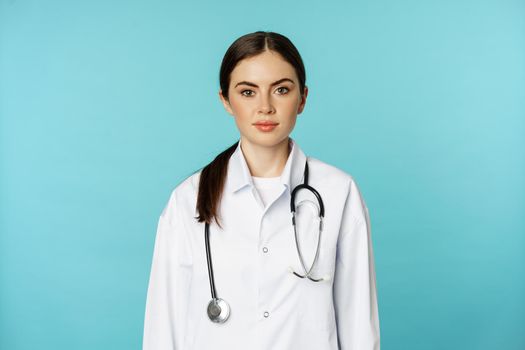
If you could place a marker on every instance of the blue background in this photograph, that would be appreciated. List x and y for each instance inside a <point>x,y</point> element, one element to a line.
<point>106,105</point>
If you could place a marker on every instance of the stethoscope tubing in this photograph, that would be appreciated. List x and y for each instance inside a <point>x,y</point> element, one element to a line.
<point>220,305</point>
<point>208,258</point>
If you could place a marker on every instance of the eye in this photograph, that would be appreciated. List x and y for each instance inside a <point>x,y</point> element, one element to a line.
<point>283,87</point>
<point>247,95</point>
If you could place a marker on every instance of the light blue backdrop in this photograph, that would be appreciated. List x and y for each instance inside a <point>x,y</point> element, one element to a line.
<point>106,105</point>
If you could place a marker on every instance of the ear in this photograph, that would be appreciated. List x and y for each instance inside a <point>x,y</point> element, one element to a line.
<point>225,103</point>
<point>300,108</point>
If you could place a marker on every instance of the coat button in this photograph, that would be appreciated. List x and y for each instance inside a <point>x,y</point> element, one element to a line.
<point>266,314</point>
<point>265,249</point>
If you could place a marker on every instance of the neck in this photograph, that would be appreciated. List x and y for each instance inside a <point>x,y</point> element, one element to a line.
<point>266,161</point>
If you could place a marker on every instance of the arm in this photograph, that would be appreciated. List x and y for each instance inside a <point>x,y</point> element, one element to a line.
<point>355,296</point>
<point>169,281</point>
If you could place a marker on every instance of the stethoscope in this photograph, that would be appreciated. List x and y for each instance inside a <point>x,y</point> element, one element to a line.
<point>219,309</point>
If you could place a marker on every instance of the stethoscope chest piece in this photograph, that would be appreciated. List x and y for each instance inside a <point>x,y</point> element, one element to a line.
<point>218,310</point>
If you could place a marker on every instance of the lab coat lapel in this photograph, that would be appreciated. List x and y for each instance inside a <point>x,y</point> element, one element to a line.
<point>239,174</point>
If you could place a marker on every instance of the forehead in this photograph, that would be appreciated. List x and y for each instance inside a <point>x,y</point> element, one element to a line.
<point>266,67</point>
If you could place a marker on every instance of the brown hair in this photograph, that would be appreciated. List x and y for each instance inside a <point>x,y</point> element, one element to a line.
<point>213,175</point>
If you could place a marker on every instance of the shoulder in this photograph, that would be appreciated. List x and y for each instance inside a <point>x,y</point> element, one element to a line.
<point>340,184</point>
<point>183,196</point>
<point>329,173</point>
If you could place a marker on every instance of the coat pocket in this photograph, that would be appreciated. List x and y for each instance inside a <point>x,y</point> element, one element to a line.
<point>318,315</point>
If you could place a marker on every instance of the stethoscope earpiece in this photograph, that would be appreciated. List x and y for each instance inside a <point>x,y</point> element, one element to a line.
<point>323,278</point>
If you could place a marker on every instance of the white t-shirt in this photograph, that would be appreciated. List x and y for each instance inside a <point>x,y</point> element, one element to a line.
<point>268,188</point>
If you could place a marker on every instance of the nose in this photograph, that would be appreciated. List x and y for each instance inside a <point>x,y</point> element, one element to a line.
<point>266,105</point>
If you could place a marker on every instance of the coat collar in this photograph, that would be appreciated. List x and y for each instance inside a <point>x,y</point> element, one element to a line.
<point>239,174</point>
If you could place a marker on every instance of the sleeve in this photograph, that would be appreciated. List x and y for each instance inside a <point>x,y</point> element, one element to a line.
<point>355,295</point>
<point>169,283</point>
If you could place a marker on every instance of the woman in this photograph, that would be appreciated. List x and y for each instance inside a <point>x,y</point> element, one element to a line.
<point>230,269</point>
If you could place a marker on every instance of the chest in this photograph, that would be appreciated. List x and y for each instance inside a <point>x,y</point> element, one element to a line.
<point>258,239</point>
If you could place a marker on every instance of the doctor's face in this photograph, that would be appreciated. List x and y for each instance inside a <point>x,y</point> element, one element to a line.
<point>264,89</point>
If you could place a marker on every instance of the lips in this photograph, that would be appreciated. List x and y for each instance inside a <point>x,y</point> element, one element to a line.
<point>265,122</point>
<point>265,125</point>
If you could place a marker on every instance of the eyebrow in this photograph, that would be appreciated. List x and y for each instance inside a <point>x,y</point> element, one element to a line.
<point>255,85</point>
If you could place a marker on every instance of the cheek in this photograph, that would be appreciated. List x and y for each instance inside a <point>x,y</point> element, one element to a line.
<point>242,118</point>
<point>291,123</point>
<point>290,110</point>
<point>240,109</point>
<point>291,105</point>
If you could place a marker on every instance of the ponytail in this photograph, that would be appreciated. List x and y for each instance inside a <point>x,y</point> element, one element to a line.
<point>213,176</point>
<point>211,185</point>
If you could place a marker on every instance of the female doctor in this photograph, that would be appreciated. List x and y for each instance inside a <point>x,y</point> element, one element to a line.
<point>264,248</point>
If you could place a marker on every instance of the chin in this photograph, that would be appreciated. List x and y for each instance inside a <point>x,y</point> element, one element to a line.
<point>269,140</point>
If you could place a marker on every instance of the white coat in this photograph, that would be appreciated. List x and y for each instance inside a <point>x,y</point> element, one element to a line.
<point>271,309</point>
